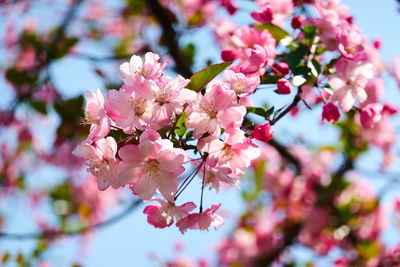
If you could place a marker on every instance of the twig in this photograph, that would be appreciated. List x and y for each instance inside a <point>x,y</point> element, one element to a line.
<point>170,36</point>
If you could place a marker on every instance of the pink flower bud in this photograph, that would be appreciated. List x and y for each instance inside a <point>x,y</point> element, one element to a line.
<point>263,132</point>
<point>377,43</point>
<point>297,22</point>
<point>228,55</point>
<point>280,68</point>
<point>390,109</point>
<point>371,114</point>
<point>284,87</point>
<point>265,16</point>
<point>330,112</point>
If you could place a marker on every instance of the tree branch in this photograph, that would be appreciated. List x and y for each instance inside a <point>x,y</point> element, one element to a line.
<point>170,36</point>
<point>50,234</point>
<point>284,152</point>
<point>294,103</point>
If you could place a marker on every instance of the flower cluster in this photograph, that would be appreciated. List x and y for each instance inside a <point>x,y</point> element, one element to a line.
<point>148,112</point>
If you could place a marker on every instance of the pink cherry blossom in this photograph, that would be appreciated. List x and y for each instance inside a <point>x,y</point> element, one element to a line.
<point>217,177</point>
<point>101,161</point>
<point>280,9</point>
<point>215,110</point>
<point>169,97</point>
<point>371,114</point>
<point>236,152</point>
<point>151,69</point>
<point>265,16</point>
<point>163,215</point>
<point>242,85</point>
<point>152,165</point>
<point>202,220</point>
<point>349,82</point>
<point>95,116</point>
<point>128,110</point>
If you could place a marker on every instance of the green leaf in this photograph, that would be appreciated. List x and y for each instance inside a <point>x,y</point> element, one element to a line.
<point>270,79</point>
<point>293,59</point>
<point>188,53</point>
<point>204,76</point>
<point>256,110</point>
<point>180,128</point>
<point>309,33</point>
<point>270,111</point>
<point>277,32</point>
<point>17,77</point>
<point>39,106</point>
<point>261,111</point>
<point>302,70</point>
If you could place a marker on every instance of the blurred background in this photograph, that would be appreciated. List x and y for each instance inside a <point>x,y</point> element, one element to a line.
<point>43,187</point>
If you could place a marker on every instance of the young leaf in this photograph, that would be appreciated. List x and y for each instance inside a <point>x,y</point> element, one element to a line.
<point>277,32</point>
<point>203,77</point>
<point>270,79</point>
<point>180,128</point>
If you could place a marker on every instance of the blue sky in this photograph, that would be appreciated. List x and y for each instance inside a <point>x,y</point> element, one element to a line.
<point>129,242</point>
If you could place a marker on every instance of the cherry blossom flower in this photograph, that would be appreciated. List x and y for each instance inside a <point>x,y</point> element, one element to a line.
<point>215,110</point>
<point>101,161</point>
<point>349,82</point>
<point>242,85</point>
<point>95,116</point>
<point>152,165</point>
<point>371,114</point>
<point>151,69</point>
<point>202,220</point>
<point>236,152</point>
<point>163,215</point>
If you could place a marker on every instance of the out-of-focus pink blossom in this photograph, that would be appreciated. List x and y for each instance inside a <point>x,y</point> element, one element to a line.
<point>371,114</point>
<point>349,82</point>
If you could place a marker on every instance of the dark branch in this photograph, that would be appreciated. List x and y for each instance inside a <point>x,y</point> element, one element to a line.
<point>170,36</point>
<point>284,152</point>
<point>294,103</point>
<point>61,233</point>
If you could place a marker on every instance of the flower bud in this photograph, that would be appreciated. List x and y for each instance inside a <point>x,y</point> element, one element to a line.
<point>284,87</point>
<point>280,68</point>
<point>263,132</point>
<point>297,22</point>
<point>371,114</point>
<point>390,109</point>
<point>228,55</point>
<point>265,16</point>
<point>330,112</point>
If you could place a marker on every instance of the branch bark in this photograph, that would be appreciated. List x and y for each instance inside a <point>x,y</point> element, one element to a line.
<point>170,36</point>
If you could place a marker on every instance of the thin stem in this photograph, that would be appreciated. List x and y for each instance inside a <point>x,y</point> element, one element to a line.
<point>187,181</point>
<point>202,188</point>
